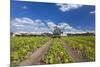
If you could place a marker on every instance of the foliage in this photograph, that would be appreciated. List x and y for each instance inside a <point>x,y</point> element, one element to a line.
<point>56,54</point>
<point>21,46</point>
<point>85,46</point>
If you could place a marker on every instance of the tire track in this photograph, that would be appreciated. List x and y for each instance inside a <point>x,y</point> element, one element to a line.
<point>37,55</point>
<point>75,57</point>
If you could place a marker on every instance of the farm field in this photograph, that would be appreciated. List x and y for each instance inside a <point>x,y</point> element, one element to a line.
<point>56,54</point>
<point>22,47</point>
<point>84,46</point>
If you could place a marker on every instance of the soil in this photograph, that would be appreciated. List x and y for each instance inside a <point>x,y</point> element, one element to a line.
<point>37,55</point>
<point>75,57</point>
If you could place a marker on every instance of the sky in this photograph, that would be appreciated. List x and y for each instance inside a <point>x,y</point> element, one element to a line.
<point>43,17</point>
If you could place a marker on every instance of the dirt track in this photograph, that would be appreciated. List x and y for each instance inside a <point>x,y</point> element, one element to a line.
<point>37,55</point>
<point>72,53</point>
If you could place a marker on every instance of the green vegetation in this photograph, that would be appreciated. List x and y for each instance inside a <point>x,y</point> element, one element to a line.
<point>56,54</point>
<point>84,45</point>
<point>20,46</point>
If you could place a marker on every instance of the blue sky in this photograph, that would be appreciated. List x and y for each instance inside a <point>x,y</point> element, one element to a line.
<point>43,17</point>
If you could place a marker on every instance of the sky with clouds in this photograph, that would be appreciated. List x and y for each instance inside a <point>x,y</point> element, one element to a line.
<point>43,17</point>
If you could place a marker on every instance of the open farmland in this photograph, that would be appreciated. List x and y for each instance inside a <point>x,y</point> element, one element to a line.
<point>22,47</point>
<point>29,50</point>
<point>51,33</point>
<point>83,45</point>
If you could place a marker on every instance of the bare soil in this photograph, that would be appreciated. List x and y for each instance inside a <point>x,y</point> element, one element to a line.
<point>75,57</point>
<point>37,55</point>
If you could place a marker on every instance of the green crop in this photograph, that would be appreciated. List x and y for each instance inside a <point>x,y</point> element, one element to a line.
<point>84,45</point>
<point>22,46</point>
<point>56,54</point>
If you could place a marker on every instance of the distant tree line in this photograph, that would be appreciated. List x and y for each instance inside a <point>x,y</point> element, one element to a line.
<point>82,34</point>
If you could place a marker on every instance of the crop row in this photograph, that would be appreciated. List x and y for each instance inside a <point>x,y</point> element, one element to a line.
<point>22,47</point>
<point>85,46</point>
<point>56,54</point>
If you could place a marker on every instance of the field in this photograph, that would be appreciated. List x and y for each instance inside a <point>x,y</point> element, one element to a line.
<point>21,47</point>
<point>67,49</point>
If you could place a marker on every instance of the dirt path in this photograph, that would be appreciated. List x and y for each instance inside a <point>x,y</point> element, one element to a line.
<point>37,55</point>
<point>72,53</point>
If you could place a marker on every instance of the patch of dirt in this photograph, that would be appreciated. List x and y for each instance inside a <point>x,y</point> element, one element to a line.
<point>75,57</point>
<point>37,55</point>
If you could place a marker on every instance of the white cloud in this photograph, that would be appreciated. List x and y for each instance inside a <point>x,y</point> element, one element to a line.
<point>64,26</point>
<point>28,25</point>
<point>92,12</point>
<point>51,25</point>
<point>68,7</point>
<point>22,21</point>
<point>39,22</point>
<point>68,28</point>
<point>18,25</point>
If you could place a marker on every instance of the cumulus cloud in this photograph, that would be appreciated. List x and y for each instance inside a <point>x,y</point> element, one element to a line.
<point>68,28</point>
<point>68,7</point>
<point>22,21</point>
<point>28,25</point>
<point>61,25</point>
<point>51,25</point>
<point>64,26</point>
